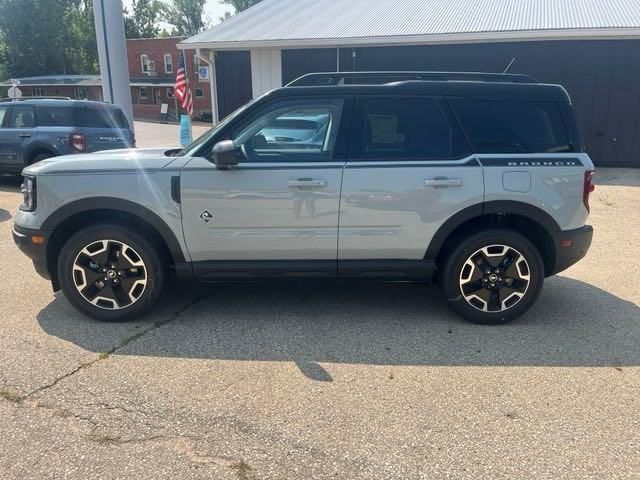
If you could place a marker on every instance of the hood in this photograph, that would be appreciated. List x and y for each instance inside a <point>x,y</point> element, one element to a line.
<point>108,161</point>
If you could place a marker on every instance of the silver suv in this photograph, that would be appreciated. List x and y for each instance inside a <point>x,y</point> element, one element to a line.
<point>477,182</point>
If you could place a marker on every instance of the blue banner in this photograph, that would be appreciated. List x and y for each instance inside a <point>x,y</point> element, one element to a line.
<point>185,130</point>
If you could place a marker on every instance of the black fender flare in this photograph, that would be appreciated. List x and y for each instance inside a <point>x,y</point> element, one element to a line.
<point>117,204</point>
<point>522,209</point>
<point>38,146</point>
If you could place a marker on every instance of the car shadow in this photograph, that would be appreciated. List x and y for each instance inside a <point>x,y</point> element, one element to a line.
<point>10,183</point>
<point>572,324</point>
<point>624,177</point>
<point>4,215</point>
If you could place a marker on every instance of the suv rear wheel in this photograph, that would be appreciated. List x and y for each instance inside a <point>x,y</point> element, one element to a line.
<point>111,273</point>
<point>493,277</point>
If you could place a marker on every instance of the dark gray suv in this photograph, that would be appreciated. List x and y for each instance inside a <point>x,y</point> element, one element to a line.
<point>35,129</point>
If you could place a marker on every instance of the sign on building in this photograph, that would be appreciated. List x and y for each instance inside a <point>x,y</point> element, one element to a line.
<point>203,72</point>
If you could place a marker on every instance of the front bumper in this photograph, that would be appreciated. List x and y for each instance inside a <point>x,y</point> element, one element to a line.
<point>36,250</point>
<point>571,246</point>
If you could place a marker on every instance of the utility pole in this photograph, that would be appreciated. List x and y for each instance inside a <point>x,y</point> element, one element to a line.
<point>112,51</point>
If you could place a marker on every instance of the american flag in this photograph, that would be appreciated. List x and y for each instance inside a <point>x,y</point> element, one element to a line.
<point>181,89</point>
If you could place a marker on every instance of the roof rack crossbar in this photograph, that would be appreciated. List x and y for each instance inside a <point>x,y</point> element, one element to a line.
<point>368,78</point>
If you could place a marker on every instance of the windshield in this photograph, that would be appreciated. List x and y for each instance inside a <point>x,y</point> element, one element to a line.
<point>190,150</point>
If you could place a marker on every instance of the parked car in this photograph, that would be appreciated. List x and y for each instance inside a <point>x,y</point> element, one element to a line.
<point>36,129</point>
<point>479,183</point>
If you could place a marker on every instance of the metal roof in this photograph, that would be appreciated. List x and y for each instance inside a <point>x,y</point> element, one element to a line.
<point>291,23</point>
<point>88,81</point>
<point>52,80</point>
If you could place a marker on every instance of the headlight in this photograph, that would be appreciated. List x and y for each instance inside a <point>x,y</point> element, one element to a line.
<point>28,190</point>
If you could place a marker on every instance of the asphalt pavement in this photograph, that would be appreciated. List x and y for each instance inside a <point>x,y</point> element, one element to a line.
<point>311,381</point>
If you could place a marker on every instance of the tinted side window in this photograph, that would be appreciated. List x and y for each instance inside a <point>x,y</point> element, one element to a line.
<point>21,117</point>
<point>96,117</point>
<point>3,113</point>
<point>401,127</point>
<point>512,127</point>
<point>55,116</point>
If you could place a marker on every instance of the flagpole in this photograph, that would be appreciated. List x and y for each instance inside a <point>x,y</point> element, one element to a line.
<point>182,91</point>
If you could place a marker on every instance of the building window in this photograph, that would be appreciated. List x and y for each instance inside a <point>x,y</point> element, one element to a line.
<point>80,93</point>
<point>168,63</point>
<point>170,92</point>
<point>199,93</point>
<point>142,93</point>
<point>146,64</point>
<point>39,92</point>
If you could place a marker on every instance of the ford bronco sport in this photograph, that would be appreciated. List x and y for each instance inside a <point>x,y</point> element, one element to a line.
<point>478,182</point>
<point>33,129</point>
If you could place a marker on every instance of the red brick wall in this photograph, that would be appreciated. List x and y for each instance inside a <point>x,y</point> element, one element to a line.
<point>151,112</point>
<point>155,49</point>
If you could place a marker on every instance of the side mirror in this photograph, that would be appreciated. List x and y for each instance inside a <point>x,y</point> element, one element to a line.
<point>223,154</point>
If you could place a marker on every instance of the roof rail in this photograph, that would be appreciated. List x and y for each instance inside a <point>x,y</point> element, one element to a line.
<point>22,99</point>
<point>381,78</point>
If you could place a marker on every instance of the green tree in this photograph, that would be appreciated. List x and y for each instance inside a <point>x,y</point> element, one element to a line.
<point>81,49</point>
<point>240,5</point>
<point>37,44</point>
<point>4,63</point>
<point>142,21</point>
<point>187,16</point>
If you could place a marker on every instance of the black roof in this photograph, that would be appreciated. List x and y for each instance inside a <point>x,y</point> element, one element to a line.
<point>478,86</point>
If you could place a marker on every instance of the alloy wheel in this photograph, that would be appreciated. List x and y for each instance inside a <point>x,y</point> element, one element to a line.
<point>495,278</point>
<point>110,274</point>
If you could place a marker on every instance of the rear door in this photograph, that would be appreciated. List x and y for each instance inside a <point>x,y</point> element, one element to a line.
<point>16,134</point>
<point>409,169</point>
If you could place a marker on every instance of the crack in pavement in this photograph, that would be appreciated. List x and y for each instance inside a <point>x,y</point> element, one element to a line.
<point>124,343</point>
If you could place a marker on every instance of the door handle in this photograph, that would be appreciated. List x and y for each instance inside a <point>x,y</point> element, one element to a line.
<point>443,182</point>
<point>25,135</point>
<point>301,183</point>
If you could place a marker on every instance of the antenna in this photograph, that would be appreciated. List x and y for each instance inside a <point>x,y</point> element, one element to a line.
<point>509,66</point>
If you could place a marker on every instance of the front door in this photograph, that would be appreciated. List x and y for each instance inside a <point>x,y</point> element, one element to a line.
<point>15,134</point>
<point>277,210</point>
<point>409,169</point>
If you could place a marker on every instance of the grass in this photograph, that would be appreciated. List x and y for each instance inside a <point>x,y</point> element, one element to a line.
<point>243,470</point>
<point>10,395</point>
<point>105,439</point>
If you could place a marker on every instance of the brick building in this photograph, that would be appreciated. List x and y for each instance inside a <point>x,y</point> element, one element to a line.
<point>152,70</point>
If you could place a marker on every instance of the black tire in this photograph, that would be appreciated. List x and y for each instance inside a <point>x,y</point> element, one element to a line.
<point>152,271</point>
<point>472,303</point>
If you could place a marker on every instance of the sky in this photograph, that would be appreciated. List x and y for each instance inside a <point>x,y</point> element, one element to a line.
<point>213,10</point>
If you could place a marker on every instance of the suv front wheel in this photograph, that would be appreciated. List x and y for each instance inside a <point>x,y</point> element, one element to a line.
<point>492,277</point>
<point>111,273</point>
